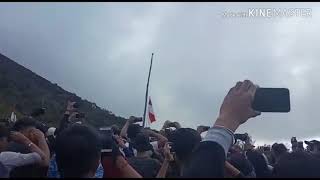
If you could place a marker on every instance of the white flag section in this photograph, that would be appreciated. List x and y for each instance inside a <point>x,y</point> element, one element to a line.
<point>151,115</point>
<point>13,117</point>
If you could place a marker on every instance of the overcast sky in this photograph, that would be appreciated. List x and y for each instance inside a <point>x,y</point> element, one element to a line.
<point>101,51</point>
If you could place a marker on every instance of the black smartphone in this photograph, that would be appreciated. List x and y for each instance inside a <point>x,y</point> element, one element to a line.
<point>242,137</point>
<point>272,100</point>
<point>106,139</point>
<point>106,131</point>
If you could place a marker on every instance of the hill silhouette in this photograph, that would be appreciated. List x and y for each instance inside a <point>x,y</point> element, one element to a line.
<point>23,91</point>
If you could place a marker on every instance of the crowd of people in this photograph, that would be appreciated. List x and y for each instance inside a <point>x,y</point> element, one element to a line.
<point>74,149</point>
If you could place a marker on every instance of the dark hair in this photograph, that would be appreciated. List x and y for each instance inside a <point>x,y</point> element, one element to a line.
<point>24,123</point>
<point>184,141</point>
<point>133,130</point>
<point>42,127</point>
<point>279,149</point>
<point>297,165</point>
<point>259,163</point>
<point>239,161</point>
<point>4,132</point>
<point>77,149</point>
<point>142,143</point>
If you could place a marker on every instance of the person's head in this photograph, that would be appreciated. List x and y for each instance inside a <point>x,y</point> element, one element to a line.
<point>78,151</point>
<point>25,126</point>
<point>184,141</point>
<point>142,144</point>
<point>297,165</point>
<point>239,161</point>
<point>133,130</point>
<point>4,135</point>
<point>313,146</point>
<point>259,163</point>
<point>278,150</point>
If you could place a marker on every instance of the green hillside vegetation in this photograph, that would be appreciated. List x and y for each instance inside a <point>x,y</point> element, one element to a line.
<point>26,91</point>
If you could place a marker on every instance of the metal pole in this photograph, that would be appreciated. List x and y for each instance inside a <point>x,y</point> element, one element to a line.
<point>146,98</point>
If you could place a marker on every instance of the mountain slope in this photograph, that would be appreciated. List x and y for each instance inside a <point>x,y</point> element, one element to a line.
<point>25,90</point>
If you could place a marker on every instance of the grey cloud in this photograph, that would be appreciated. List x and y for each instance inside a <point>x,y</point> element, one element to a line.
<point>101,51</point>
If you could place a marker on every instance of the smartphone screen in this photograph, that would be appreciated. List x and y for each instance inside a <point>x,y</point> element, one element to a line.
<point>106,138</point>
<point>106,131</point>
<point>272,100</point>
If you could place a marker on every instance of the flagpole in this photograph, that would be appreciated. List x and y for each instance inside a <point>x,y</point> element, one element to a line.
<point>146,98</point>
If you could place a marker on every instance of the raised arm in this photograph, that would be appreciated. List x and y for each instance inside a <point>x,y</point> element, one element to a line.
<point>160,138</point>
<point>123,132</point>
<point>209,158</point>
<point>43,145</point>
<point>69,113</point>
<point>164,167</point>
<point>126,169</point>
<point>20,138</point>
<point>231,171</point>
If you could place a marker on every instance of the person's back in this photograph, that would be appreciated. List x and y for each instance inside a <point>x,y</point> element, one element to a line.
<point>184,141</point>
<point>147,167</point>
<point>278,150</point>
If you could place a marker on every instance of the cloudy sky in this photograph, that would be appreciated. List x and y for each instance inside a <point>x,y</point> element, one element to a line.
<point>101,51</point>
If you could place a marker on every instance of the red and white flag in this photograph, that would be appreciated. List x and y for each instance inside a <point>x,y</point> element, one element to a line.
<point>152,117</point>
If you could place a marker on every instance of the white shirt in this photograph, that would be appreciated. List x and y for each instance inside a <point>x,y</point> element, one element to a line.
<point>10,160</point>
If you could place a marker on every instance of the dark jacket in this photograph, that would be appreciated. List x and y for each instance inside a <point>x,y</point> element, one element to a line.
<point>208,161</point>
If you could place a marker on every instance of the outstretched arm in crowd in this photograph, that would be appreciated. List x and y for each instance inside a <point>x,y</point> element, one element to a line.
<point>231,171</point>
<point>69,113</point>
<point>43,145</point>
<point>160,138</point>
<point>44,156</point>
<point>126,169</point>
<point>209,158</point>
<point>164,167</point>
<point>123,132</point>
